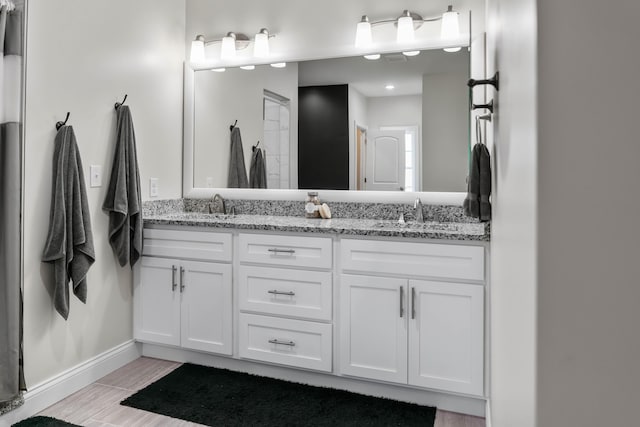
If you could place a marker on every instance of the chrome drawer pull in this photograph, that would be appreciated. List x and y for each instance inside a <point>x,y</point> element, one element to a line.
<point>276,292</point>
<point>401,301</point>
<point>413,303</point>
<point>278,342</point>
<point>282,251</point>
<point>174,284</point>
<point>182,285</point>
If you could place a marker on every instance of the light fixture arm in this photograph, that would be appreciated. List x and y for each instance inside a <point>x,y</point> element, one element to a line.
<point>242,40</point>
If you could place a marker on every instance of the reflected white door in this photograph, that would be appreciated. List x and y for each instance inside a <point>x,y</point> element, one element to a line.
<point>385,161</point>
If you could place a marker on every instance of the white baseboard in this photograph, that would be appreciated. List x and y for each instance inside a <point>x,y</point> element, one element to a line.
<point>68,382</point>
<point>445,401</point>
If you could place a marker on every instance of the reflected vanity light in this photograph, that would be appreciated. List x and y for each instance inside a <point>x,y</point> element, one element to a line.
<point>373,56</point>
<point>389,87</point>
<point>230,44</point>
<point>279,64</point>
<point>248,67</point>
<point>219,70</point>
<point>406,25</point>
<point>411,53</point>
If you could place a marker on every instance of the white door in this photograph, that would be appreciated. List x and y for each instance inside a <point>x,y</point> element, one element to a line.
<point>385,160</point>
<point>373,327</point>
<point>446,336</point>
<point>157,301</point>
<point>206,307</point>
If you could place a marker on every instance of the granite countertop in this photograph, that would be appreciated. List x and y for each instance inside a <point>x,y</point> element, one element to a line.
<point>476,231</point>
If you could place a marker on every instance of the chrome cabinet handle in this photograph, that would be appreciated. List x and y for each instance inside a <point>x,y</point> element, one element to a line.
<point>401,301</point>
<point>278,342</point>
<point>182,285</point>
<point>282,251</point>
<point>174,284</point>
<point>413,303</point>
<point>276,292</point>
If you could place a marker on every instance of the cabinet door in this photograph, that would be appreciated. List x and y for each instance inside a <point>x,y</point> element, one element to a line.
<point>157,302</point>
<point>206,307</point>
<point>373,327</point>
<point>446,336</point>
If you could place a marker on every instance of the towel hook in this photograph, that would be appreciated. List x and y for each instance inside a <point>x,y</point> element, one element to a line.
<point>493,81</point>
<point>118,104</point>
<point>60,124</point>
<point>479,137</point>
<point>233,125</point>
<point>255,147</point>
<point>488,106</point>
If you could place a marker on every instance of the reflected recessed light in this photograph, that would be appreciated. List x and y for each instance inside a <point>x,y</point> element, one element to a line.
<point>219,70</point>
<point>411,53</point>
<point>248,67</point>
<point>279,65</point>
<point>372,57</point>
<point>389,87</point>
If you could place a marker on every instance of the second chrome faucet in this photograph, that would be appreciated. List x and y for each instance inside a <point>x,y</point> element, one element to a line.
<point>418,214</point>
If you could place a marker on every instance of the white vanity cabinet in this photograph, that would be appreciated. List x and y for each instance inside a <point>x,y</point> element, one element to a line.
<point>183,293</point>
<point>396,328</point>
<point>285,300</point>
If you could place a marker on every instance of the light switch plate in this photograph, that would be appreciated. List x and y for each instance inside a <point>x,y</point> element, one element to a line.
<point>96,176</point>
<point>153,187</point>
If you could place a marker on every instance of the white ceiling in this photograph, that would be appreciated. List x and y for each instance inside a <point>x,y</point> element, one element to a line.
<point>370,77</point>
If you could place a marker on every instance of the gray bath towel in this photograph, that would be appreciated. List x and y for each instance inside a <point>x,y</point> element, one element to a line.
<point>258,170</point>
<point>237,169</point>
<point>477,204</point>
<point>69,244</point>
<point>123,201</point>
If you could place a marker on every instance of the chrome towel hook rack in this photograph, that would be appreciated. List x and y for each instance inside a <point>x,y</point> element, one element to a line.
<point>488,106</point>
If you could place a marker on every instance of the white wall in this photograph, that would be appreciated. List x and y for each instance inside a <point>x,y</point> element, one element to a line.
<point>223,98</point>
<point>445,131</point>
<point>83,56</point>
<point>511,41</point>
<point>589,269</point>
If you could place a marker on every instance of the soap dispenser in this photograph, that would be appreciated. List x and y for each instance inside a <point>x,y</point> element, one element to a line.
<point>312,205</point>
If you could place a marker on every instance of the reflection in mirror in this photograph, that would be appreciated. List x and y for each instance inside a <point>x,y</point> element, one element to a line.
<point>399,123</point>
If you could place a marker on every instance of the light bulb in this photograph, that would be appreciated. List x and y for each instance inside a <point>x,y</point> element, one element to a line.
<point>411,53</point>
<point>228,49</point>
<point>261,44</point>
<point>452,49</point>
<point>373,56</point>
<point>279,65</point>
<point>197,50</point>
<point>405,28</point>
<point>248,67</point>
<point>363,33</point>
<point>218,70</point>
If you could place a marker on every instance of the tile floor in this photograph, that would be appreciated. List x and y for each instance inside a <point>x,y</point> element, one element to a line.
<point>98,405</point>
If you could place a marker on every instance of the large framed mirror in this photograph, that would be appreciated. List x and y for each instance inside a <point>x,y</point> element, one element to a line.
<point>385,130</point>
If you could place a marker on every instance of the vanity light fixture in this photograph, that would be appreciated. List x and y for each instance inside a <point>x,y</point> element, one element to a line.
<point>406,25</point>
<point>230,44</point>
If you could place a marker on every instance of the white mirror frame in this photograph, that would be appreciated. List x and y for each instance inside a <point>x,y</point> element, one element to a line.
<point>189,191</point>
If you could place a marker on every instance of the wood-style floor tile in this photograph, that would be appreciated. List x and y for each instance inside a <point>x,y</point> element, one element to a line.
<point>138,374</point>
<point>82,405</point>
<point>120,415</point>
<point>453,419</point>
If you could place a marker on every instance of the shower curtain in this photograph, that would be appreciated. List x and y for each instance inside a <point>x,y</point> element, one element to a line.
<point>11,374</point>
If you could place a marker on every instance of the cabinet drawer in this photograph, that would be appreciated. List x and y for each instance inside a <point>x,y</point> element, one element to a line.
<point>295,251</point>
<point>283,292</point>
<point>285,341</point>
<point>197,245</point>
<point>415,259</point>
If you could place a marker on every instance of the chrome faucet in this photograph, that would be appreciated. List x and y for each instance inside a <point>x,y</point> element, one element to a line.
<point>217,205</point>
<point>417,205</point>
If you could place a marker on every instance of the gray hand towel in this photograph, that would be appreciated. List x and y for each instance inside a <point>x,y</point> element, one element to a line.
<point>237,170</point>
<point>477,204</point>
<point>257,170</point>
<point>69,244</point>
<point>123,201</point>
